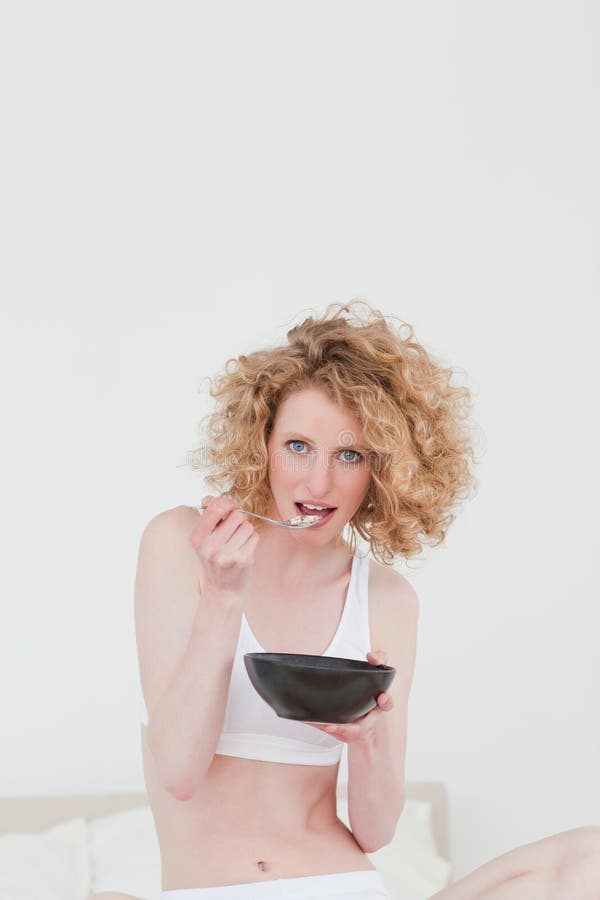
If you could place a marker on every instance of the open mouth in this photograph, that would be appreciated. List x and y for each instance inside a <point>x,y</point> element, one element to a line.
<point>324,514</point>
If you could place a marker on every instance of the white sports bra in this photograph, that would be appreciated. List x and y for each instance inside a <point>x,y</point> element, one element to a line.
<point>251,729</point>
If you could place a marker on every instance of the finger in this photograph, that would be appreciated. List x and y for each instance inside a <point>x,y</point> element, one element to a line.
<point>201,508</point>
<point>246,550</point>
<point>239,534</point>
<point>341,732</point>
<point>385,701</point>
<point>211,504</point>
<point>215,516</point>
<point>346,733</point>
<point>231,524</point>
<point>218,513</point>
<point>378,657</point>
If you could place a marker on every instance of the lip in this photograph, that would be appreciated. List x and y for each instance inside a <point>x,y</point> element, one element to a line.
<point>325,519</point>
<point>314,503</point>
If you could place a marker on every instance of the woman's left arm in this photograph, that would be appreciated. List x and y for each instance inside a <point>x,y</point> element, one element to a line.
<point>377,740</point>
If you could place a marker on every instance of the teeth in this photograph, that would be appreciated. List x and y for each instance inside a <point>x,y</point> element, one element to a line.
<point>310,506</point>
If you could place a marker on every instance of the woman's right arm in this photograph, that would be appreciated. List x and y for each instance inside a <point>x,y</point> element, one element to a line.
<point>186,636</point>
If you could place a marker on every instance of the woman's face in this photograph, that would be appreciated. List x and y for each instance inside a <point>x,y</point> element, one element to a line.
<point>318,455</point>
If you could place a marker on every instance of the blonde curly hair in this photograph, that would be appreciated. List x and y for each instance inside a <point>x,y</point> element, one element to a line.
<point>413,420</point>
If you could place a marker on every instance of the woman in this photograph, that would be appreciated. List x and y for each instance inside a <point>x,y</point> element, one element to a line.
<point>353,418</point>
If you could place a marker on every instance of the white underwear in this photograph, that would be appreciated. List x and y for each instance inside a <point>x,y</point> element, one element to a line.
<point>364,884</point>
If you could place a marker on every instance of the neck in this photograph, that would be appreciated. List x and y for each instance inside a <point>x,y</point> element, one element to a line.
<point>287,560</point>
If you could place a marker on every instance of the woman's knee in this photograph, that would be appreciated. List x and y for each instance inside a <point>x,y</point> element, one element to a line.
<point>579,843</point>
<point>578,874</point>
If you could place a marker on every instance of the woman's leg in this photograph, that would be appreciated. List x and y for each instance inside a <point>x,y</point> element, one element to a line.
<point>548,869</point>
<point>532,886</point>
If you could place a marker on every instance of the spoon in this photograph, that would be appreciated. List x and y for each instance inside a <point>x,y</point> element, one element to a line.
<point>295,522</point>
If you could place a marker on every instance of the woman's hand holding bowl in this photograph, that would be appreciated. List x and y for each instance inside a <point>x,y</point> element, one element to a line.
<point>362,729</point>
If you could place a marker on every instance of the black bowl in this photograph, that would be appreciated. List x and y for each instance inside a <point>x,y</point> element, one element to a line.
<point>312,688</point>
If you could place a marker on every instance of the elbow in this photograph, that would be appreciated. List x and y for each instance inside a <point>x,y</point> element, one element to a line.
<point>181,788</point>
<point>178,787</point>
<point>186,784</point>
<point>169,779</point>
<point>176,780</point>
<point>401,806</point>
<point>383,838</point>
<point>182,794</point>
<point>375,846</point>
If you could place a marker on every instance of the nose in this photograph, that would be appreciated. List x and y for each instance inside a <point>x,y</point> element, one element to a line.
<point>320,475</point>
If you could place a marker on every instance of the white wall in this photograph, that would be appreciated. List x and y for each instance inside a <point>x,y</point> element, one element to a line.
<point>179,183</point>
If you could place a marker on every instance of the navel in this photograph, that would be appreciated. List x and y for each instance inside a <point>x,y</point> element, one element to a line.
<point>262,865</point>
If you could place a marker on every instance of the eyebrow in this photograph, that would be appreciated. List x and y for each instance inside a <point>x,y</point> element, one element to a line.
<point>302,437</point>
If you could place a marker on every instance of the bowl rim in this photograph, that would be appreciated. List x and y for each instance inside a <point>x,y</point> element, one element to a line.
<point>365,666</point>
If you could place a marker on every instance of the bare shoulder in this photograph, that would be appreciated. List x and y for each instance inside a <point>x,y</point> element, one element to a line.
<point>174,519</point>
<point>394,607</point>
<point>171,529</point>
<point>167,557</point>
<point>391,589</point>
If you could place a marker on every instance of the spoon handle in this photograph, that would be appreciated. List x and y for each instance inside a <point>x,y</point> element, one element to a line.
<point>286,524</point>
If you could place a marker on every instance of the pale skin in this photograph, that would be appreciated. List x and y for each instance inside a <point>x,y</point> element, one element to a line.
<point>283,815</point>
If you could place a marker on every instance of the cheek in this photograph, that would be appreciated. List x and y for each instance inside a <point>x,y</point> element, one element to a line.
<point>364,485</point>
<point>281,471</point>
<point>356,485</point>
<point>284,480</point>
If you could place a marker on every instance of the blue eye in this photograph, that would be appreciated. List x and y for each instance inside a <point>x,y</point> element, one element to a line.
<point>295,442</point>
<point>357,456</point>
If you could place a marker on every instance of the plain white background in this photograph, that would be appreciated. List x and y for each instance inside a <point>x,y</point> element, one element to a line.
<point>183,182</point>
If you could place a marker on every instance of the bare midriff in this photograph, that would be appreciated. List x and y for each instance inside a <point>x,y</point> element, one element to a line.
<point>251,821</point>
